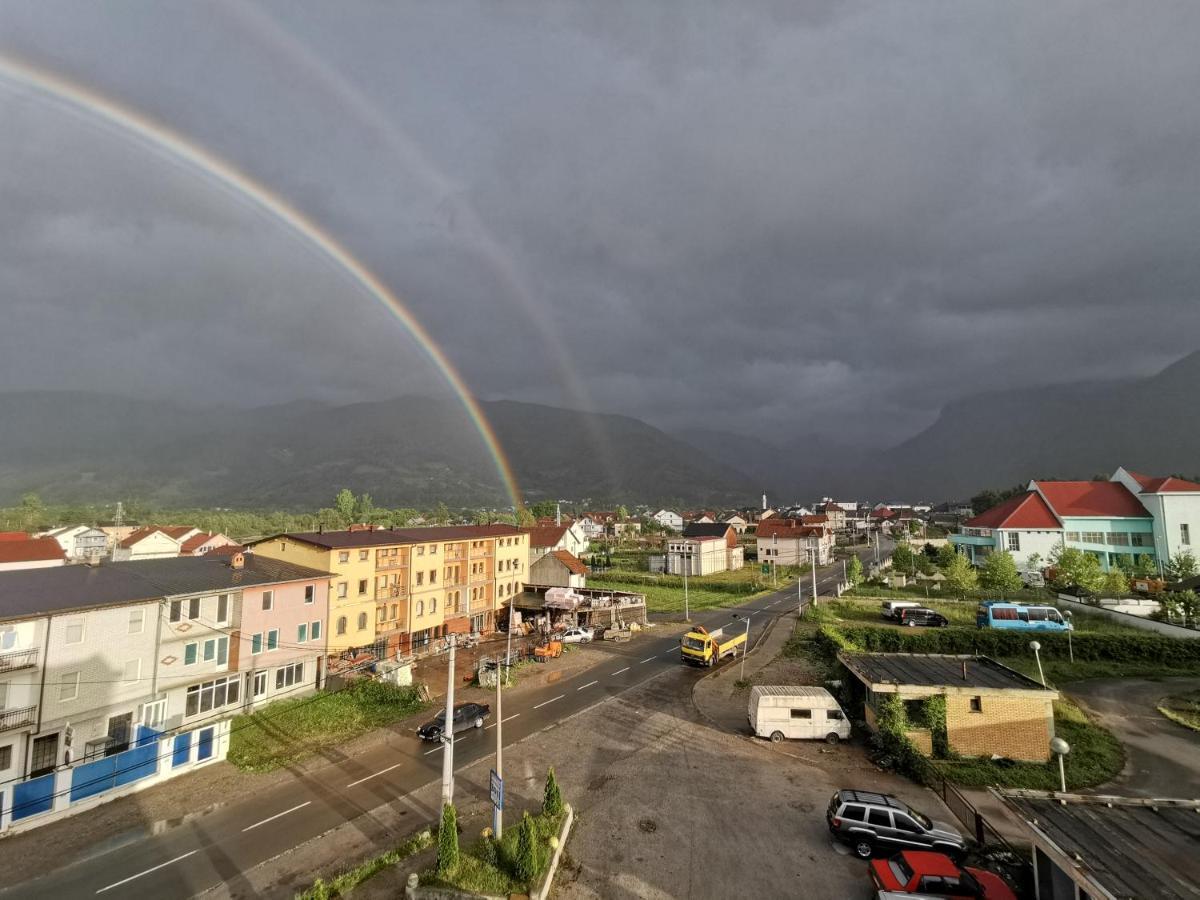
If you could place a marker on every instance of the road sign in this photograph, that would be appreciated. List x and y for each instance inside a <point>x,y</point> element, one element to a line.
<point>766,568</point>
<point>497,790</point>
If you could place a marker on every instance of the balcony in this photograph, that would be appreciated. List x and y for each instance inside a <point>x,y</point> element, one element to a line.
<point>11,660</point>
<point>391,592</point>
<point>481,552</point>
<point>11,719</point>
<point>483,605</point>
<point>453,555</point>
<point>397,562</point>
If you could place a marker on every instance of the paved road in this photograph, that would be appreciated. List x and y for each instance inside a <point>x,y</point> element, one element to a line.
<point>216,848</point>
<point>1163,757</point>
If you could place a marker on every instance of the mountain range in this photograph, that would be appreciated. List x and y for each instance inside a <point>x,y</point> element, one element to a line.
<point>418,451</point>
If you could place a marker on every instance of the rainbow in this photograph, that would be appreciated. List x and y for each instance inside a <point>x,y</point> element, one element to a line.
<point>78,98</point>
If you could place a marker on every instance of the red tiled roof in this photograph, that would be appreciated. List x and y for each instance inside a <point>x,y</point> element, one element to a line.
<point>787,528</point>
<point>31,550</point>
<point>14,535</point>
<point>883,513</point>
<point>814,519</point>
<point>1170,484</point>
<point>225,550</point>
<point>176,531</point>
<point>196,541</point>
<point>571,561</point>
<point>545,535</point>
<point>1026,510</point>
<point>1091,498</point>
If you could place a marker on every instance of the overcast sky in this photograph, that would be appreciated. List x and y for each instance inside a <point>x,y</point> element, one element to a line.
<point>793,218</point>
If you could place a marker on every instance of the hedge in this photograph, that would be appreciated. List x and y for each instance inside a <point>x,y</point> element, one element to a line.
<point>1166,651</point>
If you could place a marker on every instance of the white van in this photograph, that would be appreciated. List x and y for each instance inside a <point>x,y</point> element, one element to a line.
<point>797,712</point>
<point>890,609</point>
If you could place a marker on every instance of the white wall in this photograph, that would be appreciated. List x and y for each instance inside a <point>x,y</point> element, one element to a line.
<point>1042,543</point>
<point>1177,509</point>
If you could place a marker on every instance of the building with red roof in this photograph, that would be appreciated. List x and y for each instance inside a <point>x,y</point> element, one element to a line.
<point>791,542</point>
<point>31,553</point>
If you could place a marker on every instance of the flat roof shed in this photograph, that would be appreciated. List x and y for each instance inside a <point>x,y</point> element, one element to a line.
<point>893,672</point>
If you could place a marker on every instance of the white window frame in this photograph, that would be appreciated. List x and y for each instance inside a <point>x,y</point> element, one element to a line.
<point>154,713</point>
<point>310,593</point>
<point>63,682</point>
<point>67,632</point>
<point>138,613</point>
<point>223,619</point>
<point>268,601</point>
<point>258,685</point>
<point>269,648</point>
<point>125,671</point>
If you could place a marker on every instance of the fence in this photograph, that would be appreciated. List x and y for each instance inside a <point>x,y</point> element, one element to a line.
<point>152,758</point>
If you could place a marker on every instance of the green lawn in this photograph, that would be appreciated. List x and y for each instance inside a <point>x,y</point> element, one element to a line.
<point>289,730</point>
<point>488,866</point>
<point>922,592</point>
<point>960,613</point>
<point>662,598</point>
<point>341,885</point>
<point>1183,708</point>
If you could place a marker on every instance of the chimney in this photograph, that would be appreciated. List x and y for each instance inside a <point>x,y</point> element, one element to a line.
<point>557,514</point>
<point>238,561</point>
<point>321,529</point>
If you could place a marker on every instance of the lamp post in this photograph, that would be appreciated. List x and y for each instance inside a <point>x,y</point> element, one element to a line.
<point>684,559</point>
<point>448,732</point>
<point>745,646</point>
<point>1060,748</point>
<point>497,812</point>
<point>1035,647</point>
<point>1070,627</point>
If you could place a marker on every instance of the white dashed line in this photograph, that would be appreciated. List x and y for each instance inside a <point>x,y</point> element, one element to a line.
<point>619,671</point>
<point>376,775</point>
<point>551,700</point>
<point>648,659</point>
<point>277,816</point>
<point>588,685</point>
<point>502,721</point>
<point>434,750</point>
<point>147,872</point>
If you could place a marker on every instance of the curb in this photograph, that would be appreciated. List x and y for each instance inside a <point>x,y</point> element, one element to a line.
<point>542,891</point>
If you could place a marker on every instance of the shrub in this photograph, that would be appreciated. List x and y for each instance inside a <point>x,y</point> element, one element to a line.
<point>447,855</point>
<point>552,803</point>
<point>528,862</point>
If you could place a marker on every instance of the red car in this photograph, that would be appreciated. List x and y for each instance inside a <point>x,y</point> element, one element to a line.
<point>935,874</point>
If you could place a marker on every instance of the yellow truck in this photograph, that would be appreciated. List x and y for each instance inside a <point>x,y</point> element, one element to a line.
<point>702,647</point>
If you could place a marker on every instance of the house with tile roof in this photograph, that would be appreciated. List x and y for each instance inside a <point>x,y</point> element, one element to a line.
<point>32,553</point>
<point>203,542</point>
<point>558,568</point>
<point>789,542</point>
<point>1118,521</point>
<point>545,539</point>
<point>153,542</point>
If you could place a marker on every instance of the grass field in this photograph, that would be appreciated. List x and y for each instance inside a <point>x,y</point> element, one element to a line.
<point>960,613</point>
<point>289,730</point>
<point>922,593</point>
<point>1183,709</point>
<point>662,599</point>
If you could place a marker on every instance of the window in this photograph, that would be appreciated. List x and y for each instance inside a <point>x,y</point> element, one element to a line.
<point>310,593</point>
<point>6,757</point>
<point>904,823</point>
<point>433,550</point>
<point>273,639</point>
<point>1014,541</point>
<point>133,670</point>
<point>68,686</point>
<point>420,607</point>
<point>341,625</point>
<point>74,634</point>
<point>833,715</point>
<point>344,556</point>
<point>268,600</point>
<point>212,695</point>
<point>395,612</point>
<point>176,610</point>
<point>314,630</point>
<point>1118,538</point>
<point>256,643</point>
<point>420,578</point>
<point>286,676</point>
<point>260,684</point>
<point>1185,534</point>
<point>381,615</point>
<point>362,555</point>
<point>362,621</point>
<point>341,590</point>
<point>801,713</point>
<point>189,653</point>
<point>302,633</point>
<point>1073,536</point>
<point>223,609</point>
<point>977,704</point>
<point>154,713</point>
<point>194,608</point>
<point>420,551</point>
<point>210,650</point>
<point>880,817</point>
<point>137,620</point>
<point>1136,539</point>
<point>433,576</point>
<point>362,587</point>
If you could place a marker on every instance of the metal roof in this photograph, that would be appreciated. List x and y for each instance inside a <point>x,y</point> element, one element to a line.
<point>38,592</point>
<point>1133,848</point>
<point>781,690</point>
<point>936,670</point>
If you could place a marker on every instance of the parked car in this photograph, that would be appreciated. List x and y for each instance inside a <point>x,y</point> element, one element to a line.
<point>779,712</point>
<point>890,609</point>
<point>578,635</point>
<point>920,615</point>
<point>866,820</point>
<point>934,875</point>
<point>466,717</point>
<point>1019,616</point>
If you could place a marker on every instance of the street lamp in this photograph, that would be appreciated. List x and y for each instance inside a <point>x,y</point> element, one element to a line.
<point>745,646</point>
<point>1060,748</point>
<point>1070,627</point>
<point>1035,647</point>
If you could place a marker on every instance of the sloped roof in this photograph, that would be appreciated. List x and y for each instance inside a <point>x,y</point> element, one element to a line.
<point>571,561</point>
<point>882,513</point>
<point>546,535</point>
<point>142,533</point>
<point>1026,510</point>
<point>935,670</point>
<point>706,529</point>
<point>31,550</point>
<point>1107,499</point>
<point>14,535</point>
<point>367,537</point>
<point>1167,485</point>
<point>787,528</point>
<point>815,519</point>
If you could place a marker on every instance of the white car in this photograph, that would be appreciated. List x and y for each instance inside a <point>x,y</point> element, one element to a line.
<point>577,636</point>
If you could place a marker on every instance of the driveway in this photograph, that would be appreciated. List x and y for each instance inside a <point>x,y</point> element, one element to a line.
<point>1163,757</point>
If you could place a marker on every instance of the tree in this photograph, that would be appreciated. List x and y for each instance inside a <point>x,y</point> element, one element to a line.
<point>528,862</point>
<point>525,518</point>
<point>960,575</point>
<point>1116,583</point>
<point>1180,566</point>
<point>364,508</point>
<point>622,513</point>
<point>545,509</point>
<point>1076,568</point>
<point>1145,566</point>
<point>32,511</point>
<point>854,570</point>
<point>946,555</point>
<point>1033,562</point>
<point>903,558</point>
<point>447,852</point>
<point>345,505</point>
<point>999,573</point>
<point>552,802</point>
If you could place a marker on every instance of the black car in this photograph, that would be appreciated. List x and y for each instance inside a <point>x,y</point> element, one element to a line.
<point>866,820</point>
<point>919,615</point>
<point>466,717</point>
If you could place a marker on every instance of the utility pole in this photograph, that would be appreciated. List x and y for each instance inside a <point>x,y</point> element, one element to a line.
<point>814,574</point>
<point>684,559</point>
<point>448,733</point>
<point>745,646</point>
<point>497,812</point>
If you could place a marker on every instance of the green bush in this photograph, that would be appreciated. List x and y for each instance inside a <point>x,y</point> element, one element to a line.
<point>528,861</point>
<point>552,802</point>
<point>447,855</point>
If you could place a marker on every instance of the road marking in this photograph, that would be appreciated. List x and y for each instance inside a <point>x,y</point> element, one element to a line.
<point>277,815</point>
<point>672,650</point>
<point>589,684</point>
<point>502,721</point>
<point>551,700</point>
<point>147,872</point>
<point>435,749</point>
<point>619,671</point>
<point>648,659</point>
<point>377,774</point>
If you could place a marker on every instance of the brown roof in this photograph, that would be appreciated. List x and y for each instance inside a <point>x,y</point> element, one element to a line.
<point>14,535</point>
<point>1026,510</point>
<point>196,541</point>
<point>571,561</point>
<point>225,550</point>
<point>787,528</point>
<point>1168,485</point>
<point>819,519</point>
<point>1104,499</point>
<point>175,532</point>
<point>334,540</point>
<point>31,550</point>
<point>545,535</point>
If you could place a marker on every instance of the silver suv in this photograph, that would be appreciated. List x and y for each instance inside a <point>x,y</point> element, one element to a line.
<point>865,820</point>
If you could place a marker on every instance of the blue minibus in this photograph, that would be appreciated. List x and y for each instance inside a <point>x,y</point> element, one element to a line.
<point>998,614</point>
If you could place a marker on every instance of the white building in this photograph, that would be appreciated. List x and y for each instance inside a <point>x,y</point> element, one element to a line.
<point>704,549</point>
<point>34,553</point>
<point>789,542</point>
<point>668,518</point>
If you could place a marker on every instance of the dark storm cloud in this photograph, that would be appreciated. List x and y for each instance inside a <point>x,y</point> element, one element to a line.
<point>792,218</point>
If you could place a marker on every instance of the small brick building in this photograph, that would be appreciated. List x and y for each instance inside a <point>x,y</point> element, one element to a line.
<point>990,708</point>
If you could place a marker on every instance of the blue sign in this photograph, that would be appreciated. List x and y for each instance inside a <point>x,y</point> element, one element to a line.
<point>497,790</point>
